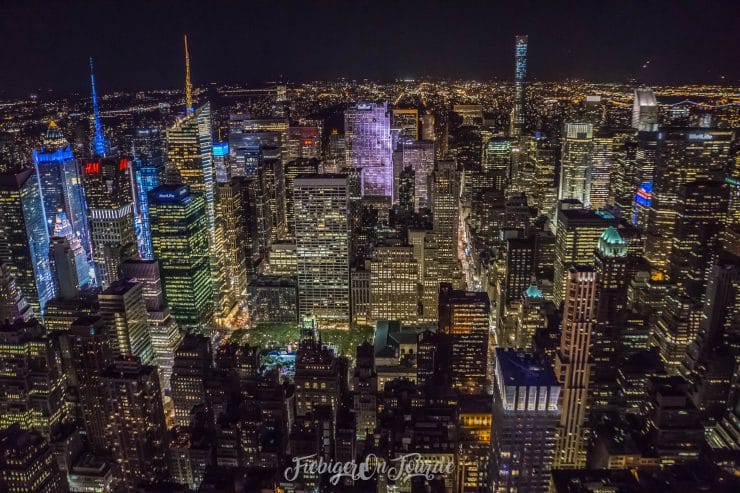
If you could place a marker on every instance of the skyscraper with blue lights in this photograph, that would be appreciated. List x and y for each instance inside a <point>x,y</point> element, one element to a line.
<point>24,236</point>
<point>149,173</point>
<point>61,187</point>
<point>100,146</point>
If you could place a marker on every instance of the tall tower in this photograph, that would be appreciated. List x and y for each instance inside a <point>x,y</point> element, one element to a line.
<point>100,146</point>
<point>520,73</point>
<point>110,211</point>
<point>322,244</point>
<point>180,243</point>
<point>575,164</point>
<point>24,237</point>
<point>367,128</point>
<point>573,366</point>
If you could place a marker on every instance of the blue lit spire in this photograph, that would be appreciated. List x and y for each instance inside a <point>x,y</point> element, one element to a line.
<point>100,145</point>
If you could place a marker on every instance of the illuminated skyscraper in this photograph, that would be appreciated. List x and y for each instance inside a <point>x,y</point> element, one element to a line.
<point>367,132</point>
<point>575,162</point>
<point>577,235</point>
<point>163,330</point>
<point>291,170</point>
<point>464,316</point>
<point>32,385</point>
<point>394,289</point>
<point>497,161</point>
<point>419,155</point>
<point>610,263</point>
<point>644,110</point>
<point>110,208</point>
<point>573,366</point>
<point>683,155</point>
<point>232,235</point>
<point>180,244</point>
<point>322,244</point>
<point>24,237</point>
<point>149,173</point>
<point>123,309</point>
<point>525,422</point>
<point>61,187</point>
<point>701,217</point>
<point>190,159</point>
<point>520,74</point>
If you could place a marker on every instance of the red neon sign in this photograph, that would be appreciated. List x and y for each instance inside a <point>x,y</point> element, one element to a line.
<point>122,164</point>
<point>92,167</point>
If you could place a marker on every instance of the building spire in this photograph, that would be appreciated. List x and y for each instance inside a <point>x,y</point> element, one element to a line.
<point>188,85</point>
<point>99,143</point>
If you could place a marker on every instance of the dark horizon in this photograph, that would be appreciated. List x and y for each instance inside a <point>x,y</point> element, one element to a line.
<point>138,45</point>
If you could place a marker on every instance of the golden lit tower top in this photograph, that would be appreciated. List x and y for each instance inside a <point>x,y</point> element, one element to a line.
<point>188,85</point>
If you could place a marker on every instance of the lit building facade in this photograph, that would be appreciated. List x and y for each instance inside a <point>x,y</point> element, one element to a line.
<point>180,244</point>
<point>24,237</point>
<point>322,248</point>
<point>367,128</point>
<point>526,416</point>
<point>575,162</point>
<point>573,366</point>
<point>110,209</point>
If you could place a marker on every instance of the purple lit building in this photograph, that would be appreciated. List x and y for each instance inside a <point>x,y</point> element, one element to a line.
<point>367,129</point>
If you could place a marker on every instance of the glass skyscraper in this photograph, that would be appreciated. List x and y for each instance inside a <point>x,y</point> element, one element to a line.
<point>149,173</point>
<point>180,243</point>
<point>24,236</point>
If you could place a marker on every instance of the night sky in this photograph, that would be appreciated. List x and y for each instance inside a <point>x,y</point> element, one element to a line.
<point>139,44</point>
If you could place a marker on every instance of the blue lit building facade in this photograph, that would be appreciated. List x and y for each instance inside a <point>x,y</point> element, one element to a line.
<point>61,185</point>
<point>24,236</point>
<point>149,172</point>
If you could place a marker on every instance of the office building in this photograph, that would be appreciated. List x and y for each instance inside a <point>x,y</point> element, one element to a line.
<point>180,244</point>
<point>13,305</point>
<point>137,434</point>
<point>407,121</point>
<point>27,463</point>
<point>123,309</point>
<point>683,155</point>
<point>419,156</point>
<point>193,362</point>
<point>322,246</point>
<point>32,385</point>
<point>394,287</point>
<point>110,209</point>
<point>24,237</point>
<point>163,331</point>
<point>575,162</point>
<point>61,185</point>
<point>644,110</point>
<point>577,235</point>
<point>91,345</point>
<point>526,417</point>
<point>464,316</point>
<point>573,366</point>
<point>147,151</point>
<point>367,133</point>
